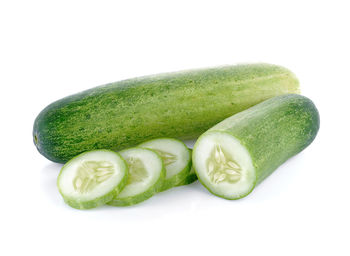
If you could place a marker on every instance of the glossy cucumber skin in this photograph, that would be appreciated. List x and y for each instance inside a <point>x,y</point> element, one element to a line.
<point>273,131</point>
<point>181,105</point>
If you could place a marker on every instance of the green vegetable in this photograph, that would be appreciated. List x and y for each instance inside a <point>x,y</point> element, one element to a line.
<point>232,157</point>
<point>176,158</point>
<point>146,175</point>
<point>191,176</point>
<point>92,178</point>
<point>181,105</point>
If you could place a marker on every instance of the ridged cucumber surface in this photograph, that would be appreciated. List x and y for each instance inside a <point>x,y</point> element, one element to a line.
<point>235,155</point>
<point>180,105</point>
<point>146,176</point>
<point>92,178</point>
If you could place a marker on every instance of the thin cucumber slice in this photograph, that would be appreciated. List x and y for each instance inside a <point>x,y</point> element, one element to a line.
<point>146,176</point>
<point>92,178</point>
<point>223,165</point>
<point>176,157</point>
<point>191,176</point>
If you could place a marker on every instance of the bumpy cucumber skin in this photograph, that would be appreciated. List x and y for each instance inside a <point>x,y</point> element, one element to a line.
<point>272,132</point>
<point>177,179</point>
<point>128,201</point>
<point>181,105</point>
<point>102,200</point>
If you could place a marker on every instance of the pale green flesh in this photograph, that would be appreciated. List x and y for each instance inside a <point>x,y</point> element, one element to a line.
<point>223,165</point>
<point>146,175</point>
<point>92,178</point>
<point>137,170</point>
<point>176,158</point>
<point>167,157</point>
<point>92,173</point>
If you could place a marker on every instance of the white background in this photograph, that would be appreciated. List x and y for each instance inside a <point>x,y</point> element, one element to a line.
<point>51,49</point>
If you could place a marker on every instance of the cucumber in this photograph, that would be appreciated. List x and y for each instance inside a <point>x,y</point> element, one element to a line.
<point>92,178</point>
<point>176,158</point>
<point>235,155</point>
<point>180,105</point>
<point>146,175</point>
<point>191,176</point>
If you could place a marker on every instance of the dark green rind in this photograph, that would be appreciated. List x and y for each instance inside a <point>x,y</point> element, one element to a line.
<point>182,105</point>
<point>154,189</point>
<point>81,205</point>
<point>191,176</point>
<point>181,176</point>
<point>272,131</point>
<point>189,179</point>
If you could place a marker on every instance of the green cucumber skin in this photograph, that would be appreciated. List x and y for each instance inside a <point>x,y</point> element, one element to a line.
<point>273,131</point>
<point>181,105</point>
<point>191,176</point>
<point>177,179</point>
<point>102,200</point>
<point>189,180</point>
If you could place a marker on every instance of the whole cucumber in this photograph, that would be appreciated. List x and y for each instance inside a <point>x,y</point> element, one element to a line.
<point>182,105</point>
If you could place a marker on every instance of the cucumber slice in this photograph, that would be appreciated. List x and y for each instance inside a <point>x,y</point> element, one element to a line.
<point>190,178</point>
<point>146,176</point>
<point>176,157</point>
<point>92,178</point>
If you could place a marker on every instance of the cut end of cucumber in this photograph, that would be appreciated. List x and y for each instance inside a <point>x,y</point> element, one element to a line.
<point>92,178</point>
<point>223,165</point>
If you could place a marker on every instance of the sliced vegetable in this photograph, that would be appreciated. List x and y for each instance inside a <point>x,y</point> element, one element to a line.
<point>92,178</point>
<point>176,157</point>
<point>191,176</point>
<point>232,157</point>
<point>146,176</point>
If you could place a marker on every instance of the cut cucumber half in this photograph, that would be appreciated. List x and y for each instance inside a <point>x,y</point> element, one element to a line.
<point>146,176</point>
<point>223,165</point>
<point>176,158</point>
<point>92,178</point>
<point>235,155</point>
